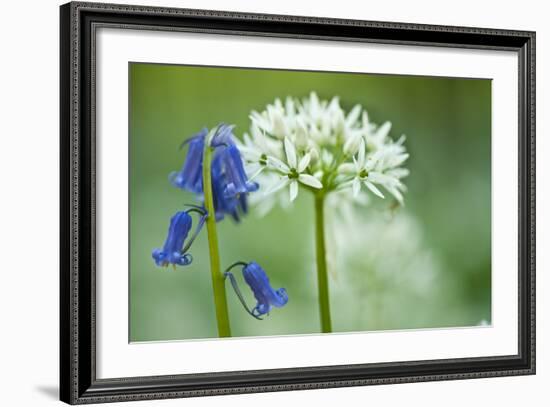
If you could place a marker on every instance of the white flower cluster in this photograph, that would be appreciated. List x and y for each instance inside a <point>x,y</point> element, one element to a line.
<point>314,144</point>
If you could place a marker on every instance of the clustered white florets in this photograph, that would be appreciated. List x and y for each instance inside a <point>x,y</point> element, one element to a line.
<point>314,144</point>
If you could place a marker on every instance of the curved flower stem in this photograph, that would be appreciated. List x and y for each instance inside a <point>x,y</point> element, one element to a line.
<point>321,254</point>
<point>218,280</point>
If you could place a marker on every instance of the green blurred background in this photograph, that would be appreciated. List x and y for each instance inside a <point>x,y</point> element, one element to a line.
<point>423,266</point>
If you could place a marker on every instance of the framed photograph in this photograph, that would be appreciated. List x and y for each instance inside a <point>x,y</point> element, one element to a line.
<point>255,203</point>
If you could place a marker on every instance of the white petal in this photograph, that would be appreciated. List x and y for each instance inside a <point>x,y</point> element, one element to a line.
<point>301,135</point>
<point>260,139</point>
<point>313,151</point>
<point>361,154</point>
<point>327,157</point>
<point>398,172</point>
<point>278,104</point>
<point>293,190</point>
<point>383,131</point>
<point>290,153</point>
<point>395,192</point>
<point>374,190</point>
<point>397,160</point>
<point>356,186</point>
<point>358,167</point>
<point>380,178</point>
<point>273,147</point>
<point>334,104</point>
<point>304,162</point>
<point>260,121</point>
<point>289,106</point>
<point>374,160</point>
<point>280,128</point>
<point>353,115</point>
<point>347,168</point>
<point>310,180</point>
<point>277,164</point>
<point>315,134</point>
<point>257,172</point>
<point>255,130</point>
<point>353,143</point>
<point>247,141</point>
<point>313,104</point>
<point>326,127</point>
<point>345,184</point>
<point>249,154</point>
<point>401,140</point>
<point>281,183</point>
<point>365,120</point>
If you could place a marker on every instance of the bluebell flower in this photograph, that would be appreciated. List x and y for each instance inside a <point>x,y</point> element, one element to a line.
<point>227,200</point>
<point>257,280</point>
<point>190,176</point>
<point>223,136</point>
<point>222,204</point>
<point>266,296</point>
<point>237,181</point>
<point>230,184</point>
<point>174,252</point>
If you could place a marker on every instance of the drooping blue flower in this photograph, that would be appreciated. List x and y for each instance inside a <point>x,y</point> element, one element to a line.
<point>190,176</point>
<point>256,278</point>
<point>230,184</point>
<point>232,204</point>
<point>237,181</point>
<point>223,205</point>
<point>174,252</point>
<point>266,296</point>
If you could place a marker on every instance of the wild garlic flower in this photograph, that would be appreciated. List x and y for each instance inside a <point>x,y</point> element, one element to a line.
<point>293,171</point>
<point>315,145</point>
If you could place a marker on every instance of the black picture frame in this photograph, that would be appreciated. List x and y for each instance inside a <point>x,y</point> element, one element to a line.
<point>78,382</point>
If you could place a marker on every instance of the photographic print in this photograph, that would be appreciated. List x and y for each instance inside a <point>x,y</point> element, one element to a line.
<point>255,202</point>
<point>278,202</point>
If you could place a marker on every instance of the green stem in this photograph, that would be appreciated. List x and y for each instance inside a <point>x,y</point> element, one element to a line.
<point>321,252</point>
<point>218,281</point>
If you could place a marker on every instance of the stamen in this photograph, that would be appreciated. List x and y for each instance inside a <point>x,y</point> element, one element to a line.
<point>293,174</point>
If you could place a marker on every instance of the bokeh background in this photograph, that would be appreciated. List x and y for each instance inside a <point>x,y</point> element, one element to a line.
<point>427,265</point>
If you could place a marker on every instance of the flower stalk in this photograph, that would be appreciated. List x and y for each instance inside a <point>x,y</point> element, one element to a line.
<point>218,280</point>
<point>321,256</point>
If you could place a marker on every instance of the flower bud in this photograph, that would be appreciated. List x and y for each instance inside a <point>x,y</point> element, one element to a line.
<point>351,146</point>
